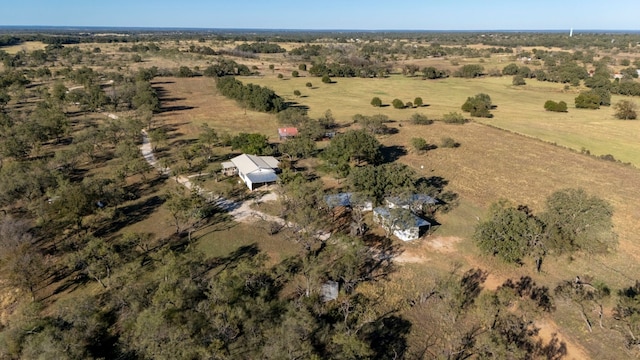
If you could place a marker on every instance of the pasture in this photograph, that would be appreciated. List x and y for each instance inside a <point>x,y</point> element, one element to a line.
<point>518,108</point>
<point>490,164</point>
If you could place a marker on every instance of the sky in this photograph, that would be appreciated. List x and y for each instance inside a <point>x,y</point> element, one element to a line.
<point>328,14</point>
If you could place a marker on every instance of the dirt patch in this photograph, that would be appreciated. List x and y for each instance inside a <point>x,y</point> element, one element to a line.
<point>444,244</point>
<point>406,257</point>
<point>548,328</point>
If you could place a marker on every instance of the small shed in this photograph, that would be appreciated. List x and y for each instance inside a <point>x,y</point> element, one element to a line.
<point>229,168</point>
<point>329,291</point>
<point>287,132</point>
<point>405,226</point>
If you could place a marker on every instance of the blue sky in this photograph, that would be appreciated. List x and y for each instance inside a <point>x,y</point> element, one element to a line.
<point>329,14</point>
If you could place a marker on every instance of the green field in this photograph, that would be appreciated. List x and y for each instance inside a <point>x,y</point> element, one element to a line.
<point>519,108</point>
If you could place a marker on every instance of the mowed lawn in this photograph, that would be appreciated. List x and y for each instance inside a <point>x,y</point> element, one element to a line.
<point>519,108</point>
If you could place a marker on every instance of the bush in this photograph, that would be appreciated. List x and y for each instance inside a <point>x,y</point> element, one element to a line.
<point>454,118</point>
<point>511,69</point>
<point>397,103</point>
<point>448,142</point>
<point>478,106</point>
<point>625,110</point>
<point>551,105</point>
<point>419,144</point>
<point>588,100</point>
<point>302,67</point>
<point>297,92</point>
<point>309,85</point>
<point>420,119</point>
<point>280,76</point>
<point>518,80</point>
<point>376,102</point>
<point>409,104</point>
<point>326,79</point>
<point>184,71</point>
<point>418,102</point>
<point>295,73</point>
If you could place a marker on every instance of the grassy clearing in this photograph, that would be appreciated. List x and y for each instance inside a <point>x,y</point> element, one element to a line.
<point>26,46</point>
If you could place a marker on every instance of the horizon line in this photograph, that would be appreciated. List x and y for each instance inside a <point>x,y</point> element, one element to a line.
<point>303,29</point>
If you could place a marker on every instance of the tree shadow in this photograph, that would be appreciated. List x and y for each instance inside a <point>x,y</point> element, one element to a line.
<point>231,260</point>
<point>388,337</point>
<point>131,214</point>
<point>392,153</point>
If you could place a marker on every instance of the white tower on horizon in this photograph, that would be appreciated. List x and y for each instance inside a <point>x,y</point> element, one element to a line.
<point>571,33</point>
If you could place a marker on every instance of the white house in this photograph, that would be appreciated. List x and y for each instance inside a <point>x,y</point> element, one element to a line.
<point>253,170</point>
<point>402,223</point>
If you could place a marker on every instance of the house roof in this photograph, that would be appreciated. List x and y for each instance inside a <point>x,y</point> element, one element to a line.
<point>339,199</point>
<point>247,164</point>
<point>411,199</point>
<point>228,165</point>
<point>417,221</point>
<point>259,177</point>
<point>288,131</point>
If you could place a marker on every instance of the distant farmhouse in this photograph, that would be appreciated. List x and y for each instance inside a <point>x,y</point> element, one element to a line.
<point>254,170</point>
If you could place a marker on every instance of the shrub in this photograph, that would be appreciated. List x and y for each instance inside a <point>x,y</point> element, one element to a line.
<point>326,79</point>
<point>418,102</point>
<point>295,73</point>
<point>297,92</point>
<point>625,110</point>
<point>551,105</point>
<point>309,85</point>
<point>588,100</point>
<point>397,103</point>
<point>184,71</point>
<point>409,104</point>
<point>518,80</point>
<point>280,76</point>
<point>454,118</point>
<point>420,119</point>
<point>448,142</point>
<point>302,67</point>
<point>376,102</point>
<point>419,144</point>
<point>511,69</point>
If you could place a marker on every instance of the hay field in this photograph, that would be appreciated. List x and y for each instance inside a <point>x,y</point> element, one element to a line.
<point>519,108</point>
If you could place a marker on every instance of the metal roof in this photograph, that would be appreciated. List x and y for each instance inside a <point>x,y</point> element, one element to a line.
<point>247,164</point>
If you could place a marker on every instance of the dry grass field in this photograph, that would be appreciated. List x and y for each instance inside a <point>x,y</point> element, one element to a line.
<point>490,164</point>
<point>26,46</point>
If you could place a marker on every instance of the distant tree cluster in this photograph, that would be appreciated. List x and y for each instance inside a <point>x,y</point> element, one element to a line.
<point>226,67</point>
<point>363,69</point>
<point>252,96</point>
<point>307,51</point>
<point>430,72</point>
<point>469,71</point>
<point>261,48</point>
